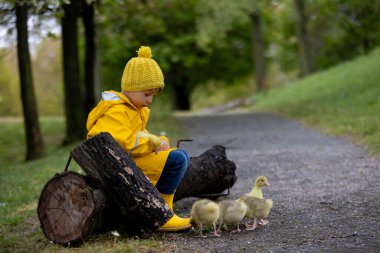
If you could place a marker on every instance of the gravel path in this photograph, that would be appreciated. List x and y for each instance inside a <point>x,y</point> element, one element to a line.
<point>326,190</point>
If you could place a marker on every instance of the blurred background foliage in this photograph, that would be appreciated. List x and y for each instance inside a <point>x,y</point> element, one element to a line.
<point>201,45</point>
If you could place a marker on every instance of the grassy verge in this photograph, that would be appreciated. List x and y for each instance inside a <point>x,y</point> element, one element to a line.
<point>215,93</point>
<point>344,100</point>
<point>21,183</point>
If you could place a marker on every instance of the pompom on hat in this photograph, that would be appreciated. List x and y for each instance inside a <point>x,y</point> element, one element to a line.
<point>142,72</point>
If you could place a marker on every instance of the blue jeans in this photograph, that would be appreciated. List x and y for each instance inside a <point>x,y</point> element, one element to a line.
<point>175,167</point>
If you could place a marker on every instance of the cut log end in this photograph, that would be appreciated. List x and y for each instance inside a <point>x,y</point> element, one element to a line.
<point>67,208</point>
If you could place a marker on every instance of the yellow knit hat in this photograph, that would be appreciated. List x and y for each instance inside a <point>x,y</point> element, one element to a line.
<point>142,72</point>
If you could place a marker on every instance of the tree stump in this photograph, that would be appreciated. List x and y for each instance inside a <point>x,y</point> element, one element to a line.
<point>110,168</point>
<point>68,209</point>
<point>208,175</point>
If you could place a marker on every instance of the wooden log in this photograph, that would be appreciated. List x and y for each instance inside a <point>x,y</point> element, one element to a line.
<point>69,210</point>
<point>208,175</point>
<point>111,169</point>
<point>124,199</point>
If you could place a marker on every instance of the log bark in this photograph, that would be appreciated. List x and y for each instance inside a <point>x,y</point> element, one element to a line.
<point>208,175</point>
<point>69,210</point>
<point>111,169</point>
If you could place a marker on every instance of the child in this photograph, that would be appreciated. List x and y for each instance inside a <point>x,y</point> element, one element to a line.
<point>125,113</point>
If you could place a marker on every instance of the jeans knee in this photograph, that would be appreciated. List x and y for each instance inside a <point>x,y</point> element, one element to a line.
<point>184,156</point>
<point>180,160</point>
<point>173,172</point>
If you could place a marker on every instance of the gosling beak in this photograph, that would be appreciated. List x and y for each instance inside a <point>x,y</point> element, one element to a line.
<point>155,151</point>
<point>267,183</point>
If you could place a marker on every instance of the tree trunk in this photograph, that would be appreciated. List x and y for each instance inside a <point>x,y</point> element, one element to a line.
<point>112,170</point>
<point>74,105</point>
<point>258,50</point>
<point>69,210</point>
<point>303,39</point>
<point>181,98</point>
<point>179,86</point>
<point>89,68</point>
<point>34,147</point>
<point>208,175</point>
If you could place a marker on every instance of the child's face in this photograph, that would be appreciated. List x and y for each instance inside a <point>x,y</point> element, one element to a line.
<point>142,98</point>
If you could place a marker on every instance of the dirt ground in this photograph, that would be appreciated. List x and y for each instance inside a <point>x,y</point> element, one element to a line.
<point>326,190</point>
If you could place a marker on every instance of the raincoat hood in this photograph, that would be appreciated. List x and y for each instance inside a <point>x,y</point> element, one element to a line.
<point>109,99</point>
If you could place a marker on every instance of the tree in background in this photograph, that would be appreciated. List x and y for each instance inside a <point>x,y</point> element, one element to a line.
<point>362,22</point>
<point>188,62</point>
<point>197,41</point>
<point>258,47</point>
<point>301,21</point>
<point>188,55</point>
<point>46,67</point>
<point>88,16</point>
<point>168,27</point>
<point>34,140</point>
<point>338,30</point>
<point>74,104</point>
<point>356,30</point>
<point>79,99</point>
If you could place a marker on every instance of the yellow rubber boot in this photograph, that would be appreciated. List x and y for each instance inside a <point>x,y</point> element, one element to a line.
<point>175,223</point>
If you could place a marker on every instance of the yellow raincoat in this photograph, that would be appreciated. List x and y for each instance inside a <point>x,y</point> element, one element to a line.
<point>116,115</point>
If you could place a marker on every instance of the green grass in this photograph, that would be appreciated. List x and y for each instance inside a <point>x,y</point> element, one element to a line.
<point>344,101</point>
<point>12,150</point>
<point>21,184</point>
<point>215,93</point>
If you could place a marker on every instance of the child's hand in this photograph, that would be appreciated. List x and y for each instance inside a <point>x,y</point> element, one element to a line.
<point>164,145</point>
